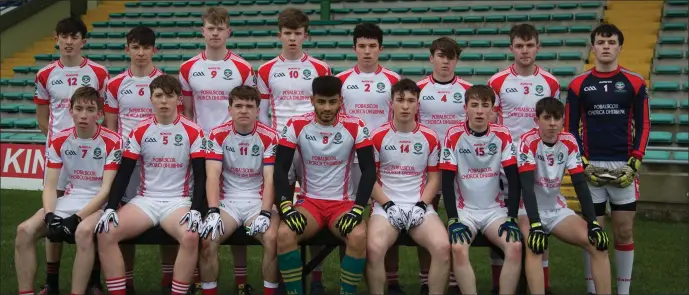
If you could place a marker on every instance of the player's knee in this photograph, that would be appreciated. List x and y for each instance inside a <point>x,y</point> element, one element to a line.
<point>356,239</point>
<point>190,240</point>
<point>270,238</point>
<point>84,236</point>
<point>623,233</point>
<point>440,249</point>
<point>26,234</point>
<point>460,253</point>
<point>208,248</point>
<point>375,249</point>
<point>106,240</point>
<point>513,251</point>
<point>287,238</point>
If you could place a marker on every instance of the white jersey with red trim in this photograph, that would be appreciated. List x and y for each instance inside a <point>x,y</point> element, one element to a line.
<point>367,95</point>
<point>478,161</point>
<point>56,83</point>
<point>165,152</point>
<point>209,82</point>
<point>404,160</point>
<point>327,153</point>
<point>287,85</point>
<point>84,159</point>
<point>129,97</point>
<point>549,164</point>
<point>243,157</point>
<point>442,105</point>
<point>516,97</point>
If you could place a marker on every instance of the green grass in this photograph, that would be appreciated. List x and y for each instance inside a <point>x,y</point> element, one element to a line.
<point>661,260</point>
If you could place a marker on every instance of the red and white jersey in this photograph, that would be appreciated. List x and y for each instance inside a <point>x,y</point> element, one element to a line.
<point>84,160</point>
<point>516,97</point>
<point>367,95</point>
<point>209,82</point>
<point>327,153</point>
<point>243,158</point>
<point>56,83</point>
<point>478,161</point>
<point>404,160</point>
<point>165,152</point>
<point>442,105</point>
<point>130,98</point>
<point>549,164</point>
<point>287,84</point>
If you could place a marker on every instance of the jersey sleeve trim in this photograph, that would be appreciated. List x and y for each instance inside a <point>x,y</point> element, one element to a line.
<point>264,75</point>
<point>322,68</point>
<point>101,73</point>
<point>184,71</point>
<point>42,83</point>
<point>243,66</point>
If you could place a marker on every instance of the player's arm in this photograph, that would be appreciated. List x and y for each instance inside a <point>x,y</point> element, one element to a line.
<point>642,123</point>
<point>43,117</point>
<point>213,171</point>
<point>432,187</point>
<point>514,190</point>
<point>49,195</point>
<point>42,100</point>
<point>584,196</point>
<point>268,188</point>
<point>110,121</point>
<point>102,195</point>
<point>283,161</point>
<point>378,195</point>
<point>198,166</point>
<point>264,90</point>
<point>119,185</point>
<point>527,178</point>
<point>368,174</point>
<point>263,115</point>
<point>188,106</point>
<point>448,188</point>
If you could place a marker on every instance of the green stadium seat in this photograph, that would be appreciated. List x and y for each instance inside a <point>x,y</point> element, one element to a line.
<point>115,57</point>
<point>465,31</point>
<point>546,56</point>
<point>443,32</point>
<point>9,108</point>
<point>452,19</point>
<point>684,104</point>
<point>251,56</point>
<point>371,20</point>
<point>246,45</point>
<point>665,86</point>
<point>167,24</point>
<point>318,32</point>
<point>545,6</point>
<point>351,20</point>
<point>28,108</point>
<point>685,86</point>
<point>502,7</point>
<point>473,19</point>
<point>562,16</point>
<point>464,71</point>
<point>184,14</point>
<point>339,32</point>
<point>39,137</point>
<point>131,4</point>
<point>17,82</point>
<point>567,6</point>
<point>421,57</point>
<point>564,71</point>
<point>315,55</point>
<point>590,5</point>
<point>351,57</point>
<point>480,8</point>
<point>28,96</point>
<point>462,43</point>
<point>539,17</point>
<point>422,32</point>
<point>307,44</point>
<point>580,29</point>
<point>486,71</point>
<point>265,45</point>
<point>494,56</point>
<point>334,56</point>
<point>6,123</point>
<point>400,32</point>
<point>22,69</point>
<point>97,35</point>
<point>171,70</point>
<point>399,9</point>
<point>241,33</point>
<point>116,15</point>
<point>677,2</point>
<point>21,136</point>
<point>570,56</point>
<point>361,10</point>
<point>586,16</point>
<point>669,54</point>
<point>188,56</point>
<point>682,137</point>
<point>382,10</point>
<point>414,71</point>
<point>390,20</point>
<point>28,123</point>
<point>460,8</point>
<point>487,31</point>
<point>680,156</point>
<point>667,70</point>
<point>195,4</point>
<point>410,20</point>
<point>411,44</point>
<point>495,18</point>
<point>676,14</point>
<point>501,43</point>
<point>252,13</point>
<point>391,44</point>
<point>114,71</point>
<point>400,56</point>
<point>12,95</point>
<point>327,44</point>
<point>384,57</point>
<point>551,42</point>
<point>171,57</point>
<point>237,22</point>
<point>189,46</point>
<point>657,155</point>
<point>662,119</point>
<point>440,9</point>
<point>431,19</point>
<point>479,43</point>
<point>470,56</point>
<point>100,24</point>
<point>674,40</point>
<point>115,35</point>
<point>576,42</point>
<point>660,137</point>
<point>3,82</point>
<point>523,7</point>
<point>663,103</point>
<point>169,46</point>
<point>556,29</point>
<point>671,26</point>
<point>684,119</point>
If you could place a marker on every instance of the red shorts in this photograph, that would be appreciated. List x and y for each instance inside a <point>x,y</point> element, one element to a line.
<point>325,212</point>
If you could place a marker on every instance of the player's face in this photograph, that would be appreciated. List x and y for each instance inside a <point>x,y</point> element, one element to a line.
<point>70,44</point>
<point>140,55</point>
<point>524,51</point>
<point>326,107</point>
<point>405,106</point>
<point>549,124</point>
<point>292,39</point>
<point>244,111</point>
<point>606,49</point>
<point>215,35</point>
<point>164,104</point>
<point>84,113</point>
<point>442,65</point>
<point>478,112</point>
<point>367,51</point>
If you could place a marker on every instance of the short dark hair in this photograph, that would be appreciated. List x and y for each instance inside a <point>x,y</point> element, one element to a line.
<point>245,92</point>
<point>550,105</point>
<point>368,31</point>
<point>447,46</point>
<point>86,94</point>
<point>326,86</point>
<point>481,93</point>
<point>293,19</point>
<point>403,85</point>
<point>141,35</point>
<point>607,30</point>
<point>525,32</point>
<point>71,26</point>
<point>167,83</point>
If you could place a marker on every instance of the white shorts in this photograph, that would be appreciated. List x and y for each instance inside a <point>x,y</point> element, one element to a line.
<point>378,209</point>
<point>616,195</point>
<point>158,209</point>
<point>551,218</point>
<point>241,210</point>
<point>66,206</point>
<point>355,177</point>
<point>134,182</point>
<point>295,172</point>
<point>479,220</point>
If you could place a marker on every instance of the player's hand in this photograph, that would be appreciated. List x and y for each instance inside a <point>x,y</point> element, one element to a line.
<point>626,173</point>
<point>459,232</point>
<point>110,215</point>
<point>416,215</point>
<point>193,220</point>
<point>538,239</point>
<point>53,224</point>
<point>213,224</point>
<point>397,217</point>
<point>260,224</point>
<point>69,224</point>
<point>511,228</point>
<point>293,218</point>
<point>592,173</point>
<point>350,220</point>
<point>598,237</point>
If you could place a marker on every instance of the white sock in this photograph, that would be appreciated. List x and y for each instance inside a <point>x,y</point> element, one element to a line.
<point>209,285</point>
<point>624,263</point>
<point>590,286</point>
<point>267,284</point>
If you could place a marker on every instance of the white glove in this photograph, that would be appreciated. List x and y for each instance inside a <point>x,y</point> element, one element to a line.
<point>260,224</point>
<point>193,221</point>
<point>397,217</point>
<point>105,219</point>
<point>213,225</point>
<point>416,215</point>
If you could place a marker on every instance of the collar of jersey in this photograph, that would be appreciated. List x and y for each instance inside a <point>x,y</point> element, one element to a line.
<point>303,58</point>
<point>155,121</point>
<point>378,70</point>
<point>83,63</point>
<point>416,127</point>
<point>514,72</point>
<point>337,120</point>
<point>150,75</point>
<point>250,133</point>
<point>74,132</point>
<point>605,74</point>
<point>472,132</point>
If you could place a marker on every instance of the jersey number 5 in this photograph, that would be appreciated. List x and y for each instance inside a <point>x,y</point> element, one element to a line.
<point>165,139</point>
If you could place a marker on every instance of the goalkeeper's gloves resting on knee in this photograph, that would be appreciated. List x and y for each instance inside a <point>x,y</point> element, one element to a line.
<point>213,224</point>
<point>538,239</point>
<point>193,220</point>
<point>397,217</point>
<point>69,224</point>
<point>260,224</point>
<point>349,221</point>
<point>597,236</point>
<point>459,232</point>
<point>626,173</point>
<point>105,219</point>
<point>416,215</point>
<point>293,218</point>
<point>511,229</point>
<point>592,173</point>
<point>53,224</point>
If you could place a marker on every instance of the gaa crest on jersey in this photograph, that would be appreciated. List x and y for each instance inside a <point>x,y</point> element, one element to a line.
<point>380,87</point>
<point>97,154</point>
<point>127,144</point>
<point>619,87</point>
<point>417,148</point>
<point>210,145</point>
<point>457,97</point>
<point>254,151</point>
<point>306,74</point>
<point>338,138</point>
<point>366,132</point>
<point>523,157</point>
<point>492,149</point>
<point>178,140</point>
<point>228,74</point>
<point>446,154</point>
<point>514,150</point>
<point>560,158</point>
<point>539,90</point>
<point>117,156</point>
<point>204,143</point>
<point>85,80</point>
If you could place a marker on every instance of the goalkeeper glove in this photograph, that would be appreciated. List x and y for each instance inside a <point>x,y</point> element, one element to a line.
<point>459,232</point>
<point>213,225</point>
<point>293,218</point>
<point>397,217</point>
<point>538,239</point>
<point>597,236</point>
<point>416,215</point>
<point>349,221</point>
<point>69,224</point>
<point>591,172</point>
<point>627,173</point>
<point>53,223</point>
<point>512,229</point>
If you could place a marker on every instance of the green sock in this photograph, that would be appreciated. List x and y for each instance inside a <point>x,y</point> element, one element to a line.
<point>351,273</point>
<point>290,269</point>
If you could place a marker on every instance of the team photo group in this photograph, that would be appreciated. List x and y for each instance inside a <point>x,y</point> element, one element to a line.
<point>221,148</point>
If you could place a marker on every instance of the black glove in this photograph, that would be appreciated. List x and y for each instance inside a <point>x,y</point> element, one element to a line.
<point>69,224</point>
<point>293,218</point>
<point>53,224</point>
<point>350,220</point>
<point>511,229</point>
<point>459,232</point>
<point>538,239</point>
<point>597,236</point>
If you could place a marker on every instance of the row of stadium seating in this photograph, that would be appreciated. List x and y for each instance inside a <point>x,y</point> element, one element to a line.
<point>496,7</point>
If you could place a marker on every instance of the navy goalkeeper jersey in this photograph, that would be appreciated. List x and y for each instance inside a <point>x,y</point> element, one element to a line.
<point>612,110</point>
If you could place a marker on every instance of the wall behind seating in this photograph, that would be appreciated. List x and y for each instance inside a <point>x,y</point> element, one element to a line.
<point>39,25</point>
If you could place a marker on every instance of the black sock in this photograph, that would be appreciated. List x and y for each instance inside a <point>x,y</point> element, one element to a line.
<point>52,271</point>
